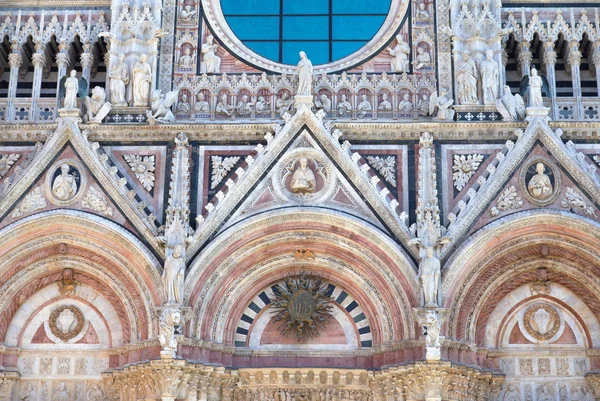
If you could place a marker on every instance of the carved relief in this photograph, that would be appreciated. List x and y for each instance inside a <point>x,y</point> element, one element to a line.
<point>574,201</point>
<point>221,165</point>
<point>540,181</point>
<point>143,167</point>
<point>33,201</point>
<point>507,200</point>
<point>6,162</point>
<point>96,201</point>
<point>304,175</point>
<point>463,167</point>
<point>66,322</point>
<point>541,321</point>
<point>64,182</point>
<point>385,166</point>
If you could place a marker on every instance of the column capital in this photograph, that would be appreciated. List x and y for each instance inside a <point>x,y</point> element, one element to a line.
<point>62,60</point>
<point>525,57</point>
<point>15,60</point>
<point>38,60</point>
<point>574,58</point>
<point>550,57</point>
<point>87,59</point>
<point>596,58</point>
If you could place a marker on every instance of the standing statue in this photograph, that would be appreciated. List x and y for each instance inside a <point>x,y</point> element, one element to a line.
<point>489,78</point>
<point>119,78</point>
<point>400,53</point>
<point>173,276</point>
<point>168,319</point>
<point>467,80</point>
<point>305,76</point>
<point>72,87</point>
<point>535,89</point>
<point>429,276</point>
<point>211,63</point>
<point>142,78</point>
<point>64,186</point>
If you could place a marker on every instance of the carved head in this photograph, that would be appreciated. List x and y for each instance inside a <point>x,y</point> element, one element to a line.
<point>303,163</point>
<point>421,6</point>
<point>121,57</point>
<point>466,54</point>
<point>405,97</point>
<point>384,96</point>
<point>534,72</point>
<point>245,98</point>
<point>73,73</point>
<point>143,58</point>
<point>187,51</point>
<point>420,50</point>
<point>261,98</point>
<point>64,169</point>
<point>489,54</point>
<point>210,39</point>
<point>363,98</point>
<point>343,98</point>
<point>399,38</point>
<point>302,55</point>
<point>539,168</point>
<point>323,97</point>
<point>184,98</point>
<point>200,97</point>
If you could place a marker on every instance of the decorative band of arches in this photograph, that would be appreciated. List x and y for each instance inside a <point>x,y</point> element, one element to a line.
<point>340,296</point>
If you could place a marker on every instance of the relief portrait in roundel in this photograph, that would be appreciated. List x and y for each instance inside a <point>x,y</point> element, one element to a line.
<point>65,182</point>
<point>303,178</point>
<point>540,182</point>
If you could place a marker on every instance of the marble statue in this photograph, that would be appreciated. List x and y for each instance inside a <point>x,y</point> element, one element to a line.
<point>96,107</point>
<point>183,106</point>
<point>511,107</point>
<point>261,106</point>
<point>539,185</point>
<point>186,60</point>
<point>443,105</point>
<point>187,14</point>
<point>323,102</point>
<point>142,79</point>
<point>223,107</point>
<point>422,11</point>
<point>168,319</point>
<point>344,107</point>
<point>305,76</point>
<point>467,80</point>
<point>244,107</point>
<point>535,89</point>
<point>512,394</point>
<point>211,62</point>
<point>385,104</point>
<point>71,87</point>
<point>284,104</point>
<point>202,105</point>
<point>161,107</point>
<point>64,186</point>
<point>405,104</point>
<point>545,394</point>
<point>489,78</point>
<point>61,393</point>
<point>429,276</point>
<point>400,55</point>
<point>303,180</point>
<point>95,393</point>
<point>423,58</point>
<point>119,78</point>
<point>364,106</point>
<point>29,394</point>
<point>173,276</point>
<point>423,106</point>
<point>434,325</point>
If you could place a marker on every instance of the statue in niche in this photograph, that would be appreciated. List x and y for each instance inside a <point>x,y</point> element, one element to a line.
<point>512,394</point>
<point>443,105</point>
<point>364,106</point>
<point>173,275</point>
<point>323,102</point>
<point>187,59</point>
<point>183,106</point>
<point>95,393</point>
<point>223,106</point>
<point>118,80</point>
<point>29,394</point>
<point>61,393</point>
<point>202,105</point>
<point>467,80</point>
<point>244,107</point>
<point>303,180</point>
<point>489,78</point>
<point>211,62</point>
<point>385,104</point>
<point>422,11</point>
<point>511,107</point>
<point>305,76</point>
<point>580,394</point>
<point>429,276</point>
<point>261,105</point>
<point>187,13</point>
<point>142,78</point>
<point>535,89</point>
<point>400,55</point>
<point>64,186</point>
<point>405,104</point>
<point>423,58</point>
<point>71,86</point>
<point>423,106</point>
<point>539,186</point>
<point>284,104</point>
<point>344,107</point>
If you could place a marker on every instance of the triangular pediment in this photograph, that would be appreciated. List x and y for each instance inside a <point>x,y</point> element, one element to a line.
<point>333,176</point>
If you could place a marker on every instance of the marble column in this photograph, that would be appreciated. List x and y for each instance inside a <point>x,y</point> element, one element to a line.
<point>87,62</point>
<point>62,61</point>
<point>549,58</point>
<point>525,58</point>
<point>39,62</point>
<point>596,61</point>
<point>14,60</point>
<point>504,61</point>
<point>574,60</point>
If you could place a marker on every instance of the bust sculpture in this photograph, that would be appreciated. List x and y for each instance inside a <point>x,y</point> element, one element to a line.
<point>64,187</point>
<point>385,104</point>
<point>539,186</point>
<point>303,180</point>
<point>202,105</point>
<point>261,105</point>
<point>183,105</point>
<point>186,59</point>
<point>223,106</point>
<point>344,107</point>
<point>284,103</point>
<point>405,104</point>
<point>364,106</point>
<point>423,58</point>
<point>323,102</point>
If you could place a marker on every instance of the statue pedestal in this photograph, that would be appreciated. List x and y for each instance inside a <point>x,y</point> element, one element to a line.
<point>299,100</point>
<point>537,111</point>
<point>431,329</point>
<point>75,113</point>
<point>167,355</point>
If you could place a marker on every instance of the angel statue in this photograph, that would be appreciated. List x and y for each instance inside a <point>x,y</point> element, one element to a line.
<point>70,88</point>
<point>537,84</point>
<point>443,105</point>
<point>161,107</point>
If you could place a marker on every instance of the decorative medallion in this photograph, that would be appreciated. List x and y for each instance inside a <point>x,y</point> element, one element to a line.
<point>301,304</point>
<point>463,167</point>
<point>64,182</point>
<point>66,322</point>
<point>541,321</point>
<point>540,181</point>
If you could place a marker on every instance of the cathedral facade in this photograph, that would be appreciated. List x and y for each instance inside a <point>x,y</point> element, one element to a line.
<point>274,200</point>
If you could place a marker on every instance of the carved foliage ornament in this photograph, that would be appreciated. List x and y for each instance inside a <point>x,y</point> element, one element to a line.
<point>463,167</point>
<point>143,167</point>
<point>6,161</point>
<point>66,322</point>
<point>302,305</point>
<point>541,321</point>
<point>220,167</point>
<point>386,166</point>
<point>507,200</point>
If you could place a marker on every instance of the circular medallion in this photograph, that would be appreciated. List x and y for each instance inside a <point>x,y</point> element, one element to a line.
<point>540,181</point>
<point>541,321</point>
<point>66,322</point>
<point>65,182</point>
<point>302,305</point>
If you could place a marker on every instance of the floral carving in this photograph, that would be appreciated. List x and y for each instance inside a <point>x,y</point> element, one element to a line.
<point>96,201</point>
<point>386,166</point>
<point>66,322</point>
<point>6,162</point>
<point>302,305</point>
<point>220,167</point>
<point>507,200</point>
<point>33,201</point>
<point>463,168</point>
<point>143,167</point>
<point>573,200</point>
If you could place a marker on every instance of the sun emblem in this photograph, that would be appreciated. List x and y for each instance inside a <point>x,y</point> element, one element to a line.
<point>302,305</point>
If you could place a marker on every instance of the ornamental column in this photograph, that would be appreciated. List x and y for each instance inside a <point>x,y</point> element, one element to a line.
<point>87,61</point>
<point>525,58</point>
<point>14,60</point>
<point>504,61</point>
<point>596,61</point>
<point>550,62</point>
<point>574,61</point>
<point>39,62</point>
<point>62,61</point>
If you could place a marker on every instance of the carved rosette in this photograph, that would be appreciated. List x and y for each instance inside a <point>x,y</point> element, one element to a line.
<point>66,322</point>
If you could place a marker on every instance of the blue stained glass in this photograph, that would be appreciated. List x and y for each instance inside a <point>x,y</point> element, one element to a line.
<point>317,52</point>
<point>342,49</point>
<point>360,7</point>
<point>255,28</point>
<point>268,50</point>
<point>305,28</point>
<point>253,7</point>
<point>355,27</point>
<point>306,7</point>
